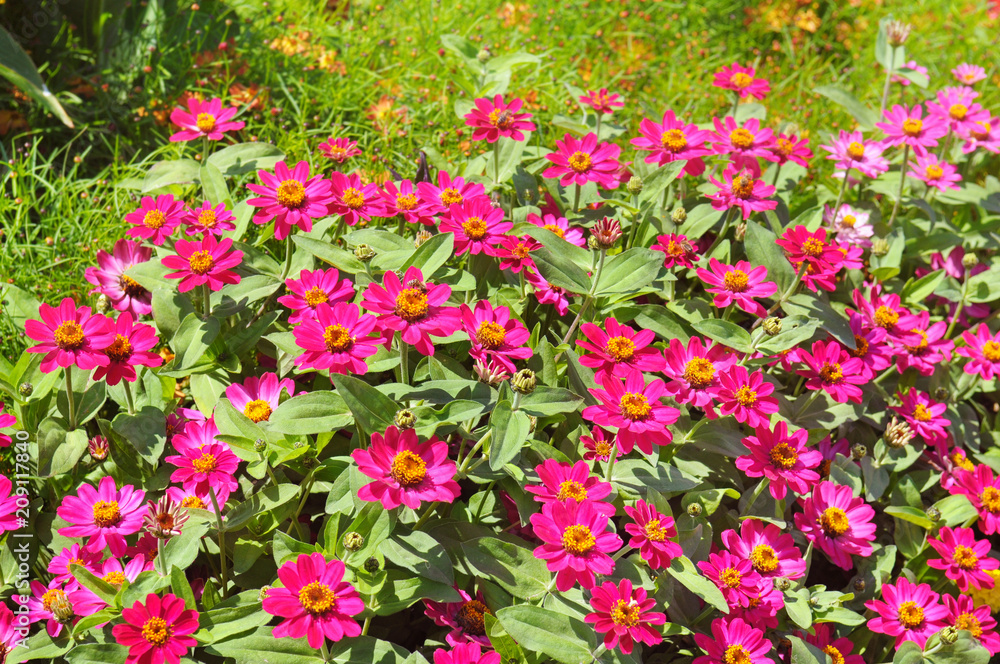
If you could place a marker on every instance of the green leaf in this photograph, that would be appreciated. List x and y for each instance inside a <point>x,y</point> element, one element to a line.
<point>340,259</point>
<point>561,271</point>
<point>165,173</point>
<point>59,451</point>
<point>181,551</point>
<point>260,647</point>
<point>725,332</point>
<point>761,248</point>
<point>233,616</point>
<point>146,430</point>
<point>245,157</point>
<point>812,307</point>
<point>546,401</point>
<point>864,115</point>
<point>431,255</point>
<point>372,410</point>
<point>287,548</point>
<point>657,182</point>
<point>911,514</point>
<point>181,586</point>
<point>916,291</point>
<point>214,186</point>
<point>268,499</point>
<point>684,571</point>
<point>965,650</point>
<point>955,510</point>
<point>403,590</point>
<point>104,590</point>
<point>637,476</point>
<point>510,156</point>
<point>558,636</point>
<point>421,554</point>
<point>510,430</point>
<point>797,607</point>
<point>806,653</point>
<point>629,271</point>
<point>909,653</point>
<point>514,568</point>
<point>190,343</point>
<point>315,412</point>
<point>17,67</point>
<point>97,653</point>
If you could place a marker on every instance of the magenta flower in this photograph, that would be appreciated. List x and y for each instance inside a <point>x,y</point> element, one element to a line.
<point>601,101</point>
<point>746,396</point>
<point>205,261</point>
<point>11,632</point>
<point>70,335</point>
<point>106,515</point>
<point>290,197</point>
<point>560,226</point>
<point>695,371</point>
<point>338,339</point>
<point>839,650</point>
<point>546,293</point>
<point>652,534</point>
<point>620,350</point>
<point>465,617</point>
<point>634,409</point>
<point>157,631</point>
<point>738,284</point>
<point>963,559</point>
<point>740,190</point>
<point>110,279</point>
<point>742,81</point>
<point>257,397</point>
<point>203,119</point>
<point>771,553</point>
<point>404,201</point>
<point>492,119</point>
<point>8,506</point>
<point>671,140</point>
<point>195,435</point>
<point>207,469</point>
<point>907,611</point>
<point>870,347</point>
<point>416,310</point>
<point>352,200</point>
<point>733,641</point>
<point>677,250</point>
<point>851,150</point>
<point>448,192</point>
<point>852,226</point>
<point>887,312</point>
<point>581,161</point>
<point>932,349</point>
<point>73,555</point>
<point>925,416</point>
<point>977,620</point>
<point>312,289</point>
<point>744,143</point>
<point>968,74</point>
<point>834,370</point>
<point>130,349</point>
<point>791,148</point>
<point>477,225</point>
<point>45,599</point>
<point>624,616</point>
<point>909,126</point>
<point>983,351</point>
<point>314,601</point>
<point>495,334</point>
<point>983,491</point>
<point>339,149</point>
<point>956,107</point>
<point>466,653</point>
<point>515,253</point>
<point>802,245</point>
<point>562,481</point>
<point>575,543</point>
<point>837,523</point>
<point>156,219</point>
<point>734,576</point>
<point>405,470</point>
<point>985,134</point>
<point>934,173</point>
<point>208,220</point>
<point>782,458</point>
<point>599,446</point>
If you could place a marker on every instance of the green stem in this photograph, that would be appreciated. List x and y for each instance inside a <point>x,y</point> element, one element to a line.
<point>843,190</point>
<point>736,103</point>
<point>809,400</point>
<point>70,400</point>
<point>325,652</point>
<point>902,181</point>
<point>128,397</point>
<point>599,116</point>
<point>959,308</point>
<point>759,489</point>
<point>609,467</point>
<point>284,274</point>
<point>206,295</point>
<point>475,448</point>
<point>204,154</point>
<point>789,292</point>
<point>496,163</point>
<point>576,198</point>
<point>888,78</point>
<point>306,487</point>
<point>425,516</point>
<point>161,562</point>
<point>364,628</point>
<point>727,220</point>
<point>524,290</point>
<point>590,297</point>
<point>223,573</point>
<point>777,174</point>
<point>404,369</point>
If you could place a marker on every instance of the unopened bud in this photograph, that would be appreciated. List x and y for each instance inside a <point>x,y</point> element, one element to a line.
<point>260,445</point>
<point>490,372</point>
<point>371,565</point>
<point>483,56</point>
<point>593,243</point>
<point>25,389</point>
<point>606,232</point>
<point>532,423</point>
<point>262,595</point>
<point>859,451</point>
<point>859,585</point>
<point>422,236</point>
<point>353,541</point>
<point>880,246</point>
<point>98,448</point>
<point>298,445</point>
<point>741,231</point>
<point>949,635</point>
<point>813,602</point>
<point>634,185</point>
<point>898,434</point>
<point>933,513</point>
<point>782,583</point>
<point>404,419</point>
<point>772,326</point>
<point>364,253</point>
<point>524,381</point>
<point>679,215</point>
<point>103,304</point>
<point>969,261</point>
<point>941,394</point>
<point>897,32</point>
<point>309,462</point>
<point>694,510</point>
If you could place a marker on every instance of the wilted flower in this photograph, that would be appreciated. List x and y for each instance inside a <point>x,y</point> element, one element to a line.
<point>165,518</point>
<point>606,232</point>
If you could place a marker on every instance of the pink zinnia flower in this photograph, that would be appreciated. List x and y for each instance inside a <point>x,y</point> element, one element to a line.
<point>983,491</point>
<point>745,143</point>
<point>834,370</point>
<point>353,200</point>
<point>851,150</point>
<point>907,611</point>
<point>106,515</point>
<point>414,308</point>
<point>546,293</point>
<point>404,201</point>
<point>733,641</point>
<point>314,601</point>
<point>195,435</point>
<point>740,190</point>
<point>45,599</point>
<point>932,349</point>
<point>695,371</point>
<point>312,289</point>
<point>405,470</point>
<point>257,397</point>
<point>11,633</point>
<point>983,351</point>
<point>746,396</point>
<point>677,250</point>
<point>448,192</point>
<point>6,421</point>
<point>791,148</point>
<point>203,119</point>
<point>925,416</point>
<point>984,134</point>
<point>634,409</point>
<point>70,335</point>
<point>562,481</point>
<point>477,225</point>
<point>977,620</point>
<point>575,542</point>
<point>619,350</point>
<point>581,161</point>
<point>208,220</point>
<point>909,126</point>
<point>465,617</point>
<point>205,261</point>
<point>111,281</point>
<point>887,312</point>
<point>741,80</point>
<point>515,252</point>
<point>155,219</point>
<point>738,284</point>
<point>652,534</point>
<point>560,226</point>
<point>492,119</point>
<point>963,559</point>
<point>870,347</point>
<point>967,74</point>
<point>837,523</point>
<point>290,197</point>
<point>851,225</point>
<point>339,149</point>
<point>8,506</point>
<point>771,553</point>
<point>957,107</point>
<point>802,245</point>
<point>782,458</point>
<point>74,555</point>
<point>338,339</point>
<point>466,653</point>
<point>495,334</point>
<point>599,446</point>
<point>934,172</point>
<point>601,101</point>
<point>207,469</point>
<point>624,616</point>
<point>671,140</point>
<point>131,348</point>
<point>839,650</point>
<point>734,576</point>
<point>113,572</point>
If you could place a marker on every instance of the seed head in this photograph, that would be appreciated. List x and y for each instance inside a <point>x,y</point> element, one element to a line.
<point>353,541</point>
<point>490,372</point>
<point>103,304</point>
<point>694,510</point>
<point>62,609</point>
<point>260,445</point>
<point>933,513</point>
<point>949,635</point>
<point>524,381</point>
<point>364,253</point>
<point>970,260</point>
<point>422,236</point>
<point>741,231</point>
<point>165,518</point>
<point>405,419</point>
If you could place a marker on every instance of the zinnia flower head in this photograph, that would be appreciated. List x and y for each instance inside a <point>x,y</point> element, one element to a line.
<point>741,80</point>
<point>208,220</point>
<point>740,189</point>
<point>791,148</point>
<point>852,150</point>
<point>932,349</point>
<point>746,396</point>
<point>634,408</point>
<point>477,225</point>
<point>652,534</point>
<point>205,261</point>
<point>466,618</point>
<point>839,650</point>
<point>924,416</point>
<point>495,334</point>
<point>934,172</point>
<point>983,351</point>
<point>579,161</point>
<point>619,350</point>
<point>677,250</point>
<point>802,245</point>
<point>312,289</point>
<point>492,119</point>
<point>695,370</point>
<point>771,552</point>
<point>257,397</point>
<point>339,149</point>
<point>907,611</point>
<point>624,615</point>
<point>671,140</point>
<point>563,481</point>
<point>290,197</point>
<point>837,523</point>
<point>963,614</point>
<point>157,631</point>
<point>733,641</point>
<point>130,348</point>
<point>601,101</point>
<point>984,134</point>
<point>69,335</point>
<point>744,142</point>
<point>957,108</point>
<point>59,606</point>
<point>599,446</point>
<point>983,491</point>
<point>406,471</point>
<point>10,634</point>
<point>106,515</point>
<point>852,226</point>
<point>734,576</point>
<point>782,458</point>
<point>413,307</point>
<point>206,470</point>
<point>575,542</point>
<point>353,200</point>
<point>439,199</point>
<point>964,560</point>
<point>466,653</point>
<point>338,339</point>
<point>404,200</point>
<point>204,119</point>
<point>515,252</point>
<point>560,226</point>
<point>738,284</point>
<point>156,219</point>
<point>59,566</point>
<point>110,279</point>
<point>834,370</point>
<point>968,74</point>
<point>909,126</point>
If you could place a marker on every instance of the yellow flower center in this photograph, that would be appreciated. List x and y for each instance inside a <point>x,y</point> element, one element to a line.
<point>206,463</point>
<point>990,499</point>
<point>206,218</point>
<point>114,578</point>
<point>154,219</point>
<point>501,119</point>
<point>785,146</point>
<point>579,162</point>
<point>959,459</point>
<point>783,455</point>
<point>958,111</point>
<point>120,349</point>
<point>742,187</point>
<point>406,202</point>
<point>201,262</point>
<point>408,469</point>
<point>741,80</point>
<point>736,281</point>
<point>912,126</point>
<point>578,540</point>
<point>106,513</point>
<point>291,194</point>
<point>981,132</point>
<point>921,413</point>
<point>491,335</point>
<point>831,374</point>
<point>552,228</point>
<point>521,251</point>
<point>571,489</point>
<point>965,557</point>
<point>861,347</point>
<point>836,657</point>
<point>317,598</point>
<point>673,140</point>
<point>922,346</point>
<point>849,220</point>
<point>69,335</point>
<point>156,631</point>
<point>736,654</point>
<point>763,559</point>
<point>699,372</point>
<point>813,247</point>
<point>130,286</point>
<point>625,613</point>
<point>51,597</point>
<point>635,406</point>
<point>654,531</point>
<point>353,198</point>
<point>205,122</point>
<point>731,577</point>
<point>450,196</point>
<point>315,296</point>
<point>856,150</point>
<point>337,338</point>
<point>933,172</point>
<point>193,502</point>
<point>603,449</point>
<point>620,348</point>
<point>411,304</point>
<point>741,138</point>
<point>991,351</point>
<point>910,615</point>
<point>834,521</point>
<point>257,410</point>
<point>886,317</point>
<point>470,617</point>
<point>746,396</point>
<point>969,623</point>
<point>475,228</point>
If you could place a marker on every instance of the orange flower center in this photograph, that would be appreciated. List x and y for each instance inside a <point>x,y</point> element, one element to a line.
<point>411,304</point>
<point>206,218</point>
<point>785,146</point>
<point>969,623</point>
<point>912,126</point>
<point>114,578</point>
<point>736,654</point>
<point>836,657</point>
<point>51,597</point>
<point>635,406</point>
<point>831,374</point>
<point>291,194</point>
<point>201,262</point>
<point>763,559</point>
<point>552,228</point>
<point>353,198</point>
<point>408,469</point>
<point>834,521</point>
<point>981,132</point>
<point>205,122</point>
<point>193,502</point>
<point>746,396</point>
<point>603,449</point>
<point>991,351</point>
<point>965,557</point>
<point>741,138</point>
<point>886,317</point>
<point>491,335</point>
<point>579,162</point>
<point>337,338</point>
<point>990,499</point>
<point>571,489</point>
<point>625,613</point>
<point>813,247</point>
<point>120,349</point>
<point>741,80</point>
<point>315,296</point>
<point>654,531</point>
<point>257,410</point>
<point>933,172</point>
<point>406,202</point>
<point>673,140</point>
<point>470,617</point>
<point>699,372</point>
<point>501,119</point>
<point>736,281</point>
<point>317,598</point>
<point>862,347</point>
<point>578,540</point>
<point>783,455</point>
<point>154,219</point>
<point>910,615</point>
<point>921,413</point>
<point>69,335</point>
<point>856,150</point>
<point>206,463</point>
<point>475,228</point>
<point>731,577</point>
<point>742,187</point>
<point>521,251</point>
<point>922,346</point>
<point>106,513</point>
<point>849,220</point>
<point>958,111</point>
<point>130,286</point>
<point>450,196</point>
<point>620,348</point>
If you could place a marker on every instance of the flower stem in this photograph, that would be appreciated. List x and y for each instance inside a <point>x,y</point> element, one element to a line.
<point>206,295</point>
<point>727,220</point>
<point>223,573</point>
<point>364,628</point>
<point>888,78</point>
<point>809,401</point>
<point>609,467</point>
<point>736,103</point>
<point>598,130</point>
<point>759,489</point>
<point>576,198</point>
<point>843,190</point>
<point>404,370</point>
<point>475,448</point>
<point>306,487</point>
<point>425,516</point>
<point>161,562</point>
<point>590,297</point>
<point>69,397</point>
<point>128,397</point>
<point>524,293</point>
<point>959,308</point>
<point>496,163</point>
<point>204,154</point>
<point>902,181</point>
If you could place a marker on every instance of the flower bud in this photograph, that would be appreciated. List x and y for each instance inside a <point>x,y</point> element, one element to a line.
<point>262,595</point>
<point>593,243</point>
<point>897,434</point>
<point>694,510</point>
<point>164,518</point>
<point>353,541</point>
<point>524,381</point>
<point>309,462</point>
<point>859,585</point>
<point>298,445</point>
<point>679,215</point>
<point>372,565</point>
<point>880,246</point>
<point>782,583</point>
<point>897,32</point>
<point>404,419</point>
<point>741,231</point>
<point>634,185</point>
<point>933,513</point>
<point>813,602</point>
<point>859,451</point>
<point>103,304</point>
<point>969,261</point>
<point>606,232</point>
<point>532,423</point>
<point>422,236</point>
<point>260,445</point>
<point>772,326</point>
<point>25,389</point>
<point>364,253</point>
<point>483,56</point>
<point>948,635</point>
<point>98,448</point>
<point>941,394</point>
